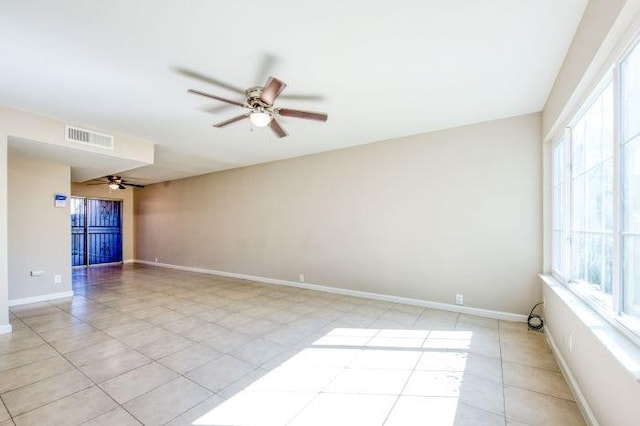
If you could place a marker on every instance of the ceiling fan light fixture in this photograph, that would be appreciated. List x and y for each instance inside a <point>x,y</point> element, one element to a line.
<point>114,185</point>
<point>260,118</point>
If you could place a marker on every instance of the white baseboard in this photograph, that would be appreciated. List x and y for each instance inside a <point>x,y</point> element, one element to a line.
<point>42,298</point>
<point>507,316</point>
<point>4,329</point>
<point>127,261</point>
<point>582,402</point>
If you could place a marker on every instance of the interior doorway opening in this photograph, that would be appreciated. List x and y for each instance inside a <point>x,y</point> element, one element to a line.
<point>96,231</point>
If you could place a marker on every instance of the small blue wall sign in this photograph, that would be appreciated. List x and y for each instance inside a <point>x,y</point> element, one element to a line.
<point>60,200</point>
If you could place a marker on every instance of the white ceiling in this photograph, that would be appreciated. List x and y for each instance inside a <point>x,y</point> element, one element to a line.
<point>384,69</point>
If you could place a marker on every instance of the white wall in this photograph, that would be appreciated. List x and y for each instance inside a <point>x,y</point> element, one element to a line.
<point>39,234</point>
<point>425,217</point>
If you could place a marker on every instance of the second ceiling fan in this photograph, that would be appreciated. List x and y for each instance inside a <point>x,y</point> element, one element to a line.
<point>259,103</point>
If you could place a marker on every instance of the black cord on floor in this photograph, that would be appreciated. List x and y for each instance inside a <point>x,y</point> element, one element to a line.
<point>535,321</point>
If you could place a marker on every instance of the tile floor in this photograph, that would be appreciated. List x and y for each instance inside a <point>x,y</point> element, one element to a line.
<point>147,345</point>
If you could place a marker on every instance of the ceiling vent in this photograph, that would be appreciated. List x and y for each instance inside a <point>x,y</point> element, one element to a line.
<point>88,137</point>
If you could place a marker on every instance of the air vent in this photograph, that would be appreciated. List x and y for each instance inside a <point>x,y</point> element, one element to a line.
<point>88,137</point>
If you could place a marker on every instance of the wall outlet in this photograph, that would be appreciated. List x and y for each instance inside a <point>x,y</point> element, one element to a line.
<point>570,343</point>
<point>156,260</point>
<point>301,278</point>
<point>459,299</point>
<point>37,273</point>
<point>57,279</point>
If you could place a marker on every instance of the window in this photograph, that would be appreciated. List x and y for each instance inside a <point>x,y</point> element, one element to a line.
<point>592,198</point>
<point>596,197</point>
<point>630,154</point>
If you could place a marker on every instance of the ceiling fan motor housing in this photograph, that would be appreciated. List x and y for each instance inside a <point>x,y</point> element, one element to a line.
<point>253,98</point>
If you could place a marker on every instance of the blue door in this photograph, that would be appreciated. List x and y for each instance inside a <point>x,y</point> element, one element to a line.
<point>99,238</point>
<point>104,231</point>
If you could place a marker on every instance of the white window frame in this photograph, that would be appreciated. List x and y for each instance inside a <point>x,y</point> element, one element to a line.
<point>628,325</point>
<point>565,250</point>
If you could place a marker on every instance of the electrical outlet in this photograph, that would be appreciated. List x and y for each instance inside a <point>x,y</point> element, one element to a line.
<point>37,273</point>
<point>57,279</point>
<point>301,278</point>
<point>459,299</point>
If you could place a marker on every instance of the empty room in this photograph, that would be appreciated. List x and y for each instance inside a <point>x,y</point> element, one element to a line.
<point>340,213</point>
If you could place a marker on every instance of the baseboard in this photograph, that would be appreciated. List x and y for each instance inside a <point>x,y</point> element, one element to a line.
<point>507,316</point>
<point>582,402</point>
<point>4,329</point>
<point>42,298</point>
<point>127,261</point>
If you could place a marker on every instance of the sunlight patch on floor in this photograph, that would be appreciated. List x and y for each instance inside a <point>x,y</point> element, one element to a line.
<point>357,376</point>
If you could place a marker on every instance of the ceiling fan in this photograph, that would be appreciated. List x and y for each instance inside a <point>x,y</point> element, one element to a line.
<point>259,103</point>
<point>115,182</point>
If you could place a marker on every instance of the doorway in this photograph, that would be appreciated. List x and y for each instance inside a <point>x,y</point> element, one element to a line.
<point>96,231</point>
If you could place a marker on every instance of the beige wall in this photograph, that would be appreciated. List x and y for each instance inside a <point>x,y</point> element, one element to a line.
<point>39,234</point>
<point>127,195</point>
<point>426,217</point>
<point>612,392</point>
<point>4,286</point>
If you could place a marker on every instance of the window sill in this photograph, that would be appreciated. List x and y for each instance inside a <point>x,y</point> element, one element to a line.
<point>621,347</point>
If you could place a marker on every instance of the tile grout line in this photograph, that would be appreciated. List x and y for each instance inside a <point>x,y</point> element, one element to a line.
<point>504,399</point>
<point>7,409</point>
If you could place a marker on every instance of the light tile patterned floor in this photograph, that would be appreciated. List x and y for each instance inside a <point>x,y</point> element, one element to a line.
<point>148,345</point>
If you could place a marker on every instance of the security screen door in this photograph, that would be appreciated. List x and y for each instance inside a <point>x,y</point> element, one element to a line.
<point>96,231</point>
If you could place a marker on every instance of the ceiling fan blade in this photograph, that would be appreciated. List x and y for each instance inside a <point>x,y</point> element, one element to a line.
<point>232,120</point>
<point>295,97</point>
<point>272,90</point>
<point>216,109</point>
<point>121,186</point>
<point>125,183</point>
<point>277,129</point>
<point>307,115</point>
<point>209,80</point>
<point>267,64</point>
<point>217,98</point>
